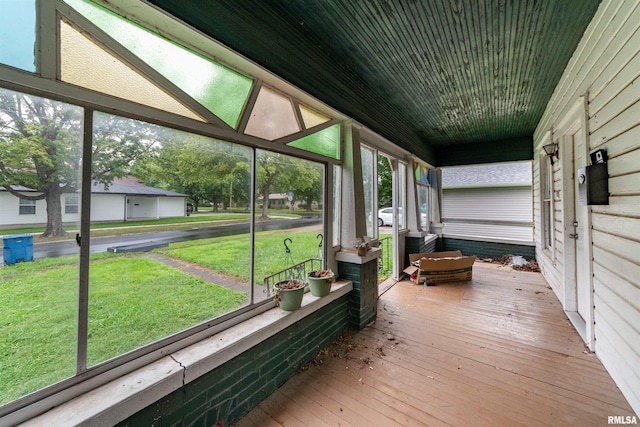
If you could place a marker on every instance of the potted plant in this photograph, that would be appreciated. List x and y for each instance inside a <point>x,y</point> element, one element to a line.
<point>320,282</point>
<point>289,294</point>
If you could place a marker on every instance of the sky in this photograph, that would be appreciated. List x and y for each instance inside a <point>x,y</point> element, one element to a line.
<point>18,33</point>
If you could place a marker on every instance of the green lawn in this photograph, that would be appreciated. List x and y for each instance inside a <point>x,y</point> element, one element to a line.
<point>145,301</point>
<point>133,300</point>
<point>230,254</point>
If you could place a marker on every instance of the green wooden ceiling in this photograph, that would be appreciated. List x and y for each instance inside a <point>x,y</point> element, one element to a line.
<point>453,81</point>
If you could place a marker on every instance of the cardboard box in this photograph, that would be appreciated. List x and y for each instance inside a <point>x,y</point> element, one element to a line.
<point>439,267</point>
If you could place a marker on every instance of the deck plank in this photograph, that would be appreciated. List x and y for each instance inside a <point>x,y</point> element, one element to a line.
<point>495,351</point>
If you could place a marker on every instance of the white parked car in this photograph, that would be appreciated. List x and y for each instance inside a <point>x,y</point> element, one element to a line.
<point>385,216</point>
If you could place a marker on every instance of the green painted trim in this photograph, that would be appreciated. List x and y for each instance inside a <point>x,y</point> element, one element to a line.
<point>485,249</point>
<point>363,305</point>
<point>417,245</point>
<point>507,150</point>
<point>224,395</point>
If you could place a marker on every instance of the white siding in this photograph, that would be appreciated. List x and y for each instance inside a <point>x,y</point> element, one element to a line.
<point>500,213</point>
<point>142,207</point>
<point>107,207</point>
<point>489,232</point>
<point>606,66</point>
<point>172,206</point>
<point>10,211</point>
<point>104,207</point>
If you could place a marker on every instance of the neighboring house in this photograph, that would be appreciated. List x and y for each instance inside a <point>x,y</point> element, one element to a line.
<point>488,201</point>
<point>129,198</point>
<point>126,198</point>
<point>279,201</point>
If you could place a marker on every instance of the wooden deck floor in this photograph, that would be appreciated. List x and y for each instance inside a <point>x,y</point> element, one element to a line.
<point>496,351</point>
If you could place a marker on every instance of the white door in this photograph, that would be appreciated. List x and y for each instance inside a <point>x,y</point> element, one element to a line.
<point>580,236</point>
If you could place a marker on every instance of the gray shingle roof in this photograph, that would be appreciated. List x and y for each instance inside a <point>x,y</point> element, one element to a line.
<point>132,186</point>
<point>17,188</point>
<point>127,185</point>
<point>499,174</point>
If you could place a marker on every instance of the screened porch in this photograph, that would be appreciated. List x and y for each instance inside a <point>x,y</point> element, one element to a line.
<point>498,350</point>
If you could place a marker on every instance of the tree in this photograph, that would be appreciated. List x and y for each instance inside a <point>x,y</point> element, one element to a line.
<point>41,146</point>
<point>385,186</point>
<point>239,181</point>
<point>278,173</point>
<point>307,185</point>
<point>270,168</point>
<point>204,168</point>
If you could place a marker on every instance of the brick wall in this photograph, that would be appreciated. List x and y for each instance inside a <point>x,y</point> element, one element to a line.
<point>485,249</point>
<point>224,395</point>
<point>363,304</point>
<point>416,245</point>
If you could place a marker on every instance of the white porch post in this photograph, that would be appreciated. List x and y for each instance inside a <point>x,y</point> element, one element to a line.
<point>352,206</point>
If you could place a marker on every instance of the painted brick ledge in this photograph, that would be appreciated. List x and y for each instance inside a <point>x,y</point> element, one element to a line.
<point>116,401</point>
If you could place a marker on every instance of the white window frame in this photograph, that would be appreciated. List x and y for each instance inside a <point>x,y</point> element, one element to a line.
<point>547,205</point>
<point>23,204</point>
<point>67,205</point>
<point>373,188</point>
<point>403,169</point>
<point>44,83</point>
<point>427,189</point>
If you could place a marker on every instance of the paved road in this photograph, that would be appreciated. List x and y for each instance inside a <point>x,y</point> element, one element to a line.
<point>100,244</point>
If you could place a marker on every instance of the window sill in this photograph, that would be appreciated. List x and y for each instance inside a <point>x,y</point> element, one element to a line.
<point>353,258</point>
<point>490,239</point>
<point>423,234</point>
<point>117,400</point>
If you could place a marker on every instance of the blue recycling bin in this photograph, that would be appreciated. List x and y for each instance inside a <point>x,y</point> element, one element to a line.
<point>17,248</point>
